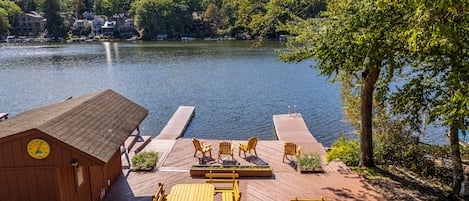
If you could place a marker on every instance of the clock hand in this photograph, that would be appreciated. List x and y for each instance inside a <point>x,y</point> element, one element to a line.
<point>38,148</point>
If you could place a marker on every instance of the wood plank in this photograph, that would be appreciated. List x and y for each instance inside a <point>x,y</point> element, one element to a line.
<point>178,123</point>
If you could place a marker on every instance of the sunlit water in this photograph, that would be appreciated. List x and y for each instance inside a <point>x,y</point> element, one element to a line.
<point>236,89</point>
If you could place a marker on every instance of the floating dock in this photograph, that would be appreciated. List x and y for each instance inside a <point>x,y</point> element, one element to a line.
<point>177,124</point>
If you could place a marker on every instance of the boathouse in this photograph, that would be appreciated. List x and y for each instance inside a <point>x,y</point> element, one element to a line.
<point>66,151</point>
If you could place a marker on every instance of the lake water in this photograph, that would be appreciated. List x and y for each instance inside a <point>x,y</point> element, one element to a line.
<point>235,88</point>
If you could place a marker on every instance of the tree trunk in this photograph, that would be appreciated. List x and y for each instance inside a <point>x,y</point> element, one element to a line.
<point>370,76</point>
<point>458,176</point>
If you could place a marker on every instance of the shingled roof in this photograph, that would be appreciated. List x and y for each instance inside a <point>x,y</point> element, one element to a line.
<point>96,124</point>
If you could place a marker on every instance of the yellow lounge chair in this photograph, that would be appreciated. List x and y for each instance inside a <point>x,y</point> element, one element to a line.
<point>160,194</point>
<point>225,148</point>
<point>252,142</point>
<point>204,148</point>
<point>291,149</point>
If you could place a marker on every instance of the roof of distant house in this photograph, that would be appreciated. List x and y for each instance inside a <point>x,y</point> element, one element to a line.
<point>34,15</point>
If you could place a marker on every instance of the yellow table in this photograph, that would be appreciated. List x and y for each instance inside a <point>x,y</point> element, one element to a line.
<point>192,192</point>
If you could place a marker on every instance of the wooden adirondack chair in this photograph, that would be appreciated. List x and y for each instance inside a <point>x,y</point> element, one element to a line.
<point>160,194</point>
<point>200,146</point>
<point>252,142</point>
<point>291,149</point>
<point>225,148</point>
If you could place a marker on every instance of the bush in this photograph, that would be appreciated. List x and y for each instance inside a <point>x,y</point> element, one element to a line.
<point>145,160</point>
<point>399,147</point>
<point>309,161</point>
<point>347,150</point>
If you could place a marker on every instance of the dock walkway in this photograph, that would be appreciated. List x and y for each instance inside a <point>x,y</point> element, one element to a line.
<point>292,128</point>
<point>177,124</point>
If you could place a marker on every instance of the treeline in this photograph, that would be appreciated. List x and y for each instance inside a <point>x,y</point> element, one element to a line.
<point>175,18</point>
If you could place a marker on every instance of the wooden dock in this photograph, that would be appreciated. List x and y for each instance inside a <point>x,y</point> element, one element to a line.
<point>292,128</point>
<point>177,124</point>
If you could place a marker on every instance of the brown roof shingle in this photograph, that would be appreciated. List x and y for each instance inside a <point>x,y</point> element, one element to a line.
<point>97,123</point>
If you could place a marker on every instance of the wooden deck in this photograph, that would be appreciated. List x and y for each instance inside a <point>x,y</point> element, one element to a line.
<point>336,183</point>
<point>177,124</point>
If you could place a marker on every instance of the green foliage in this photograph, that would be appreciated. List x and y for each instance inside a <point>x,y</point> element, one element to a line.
<point>85,31</point>
<point>396,146</point>
<point>437,89</point>
<point>4,24</point>
<point>347,150</point>
<point>214,17</point>
<point>309,161</point>
<point>146,159</point>
<point>27,5</point>
<point>9,13</point>
<point>153,16</point>
<point>55,23</point>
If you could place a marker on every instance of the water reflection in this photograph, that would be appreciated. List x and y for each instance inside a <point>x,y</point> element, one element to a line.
<point>107,48</point>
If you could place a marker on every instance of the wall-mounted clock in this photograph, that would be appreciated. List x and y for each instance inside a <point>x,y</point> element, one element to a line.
<point>38,148</point>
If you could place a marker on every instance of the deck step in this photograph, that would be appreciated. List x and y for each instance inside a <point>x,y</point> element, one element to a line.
<point>131,140</point>
<point>140,143</point>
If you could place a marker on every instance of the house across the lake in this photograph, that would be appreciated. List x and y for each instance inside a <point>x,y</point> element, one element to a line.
<point>66,151</point>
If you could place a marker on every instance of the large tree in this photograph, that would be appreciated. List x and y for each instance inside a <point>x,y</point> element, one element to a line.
<point>358,39</point>
<point>214,18</point>
<point>9,13</point>
<point>55,23</point>
<point>152,16</point>
<point>437,89</point>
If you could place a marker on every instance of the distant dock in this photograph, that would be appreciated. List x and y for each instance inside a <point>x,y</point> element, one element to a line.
<point>177,124</point>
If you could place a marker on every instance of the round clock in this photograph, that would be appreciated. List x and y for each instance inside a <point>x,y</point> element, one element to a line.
<point>38,148</point>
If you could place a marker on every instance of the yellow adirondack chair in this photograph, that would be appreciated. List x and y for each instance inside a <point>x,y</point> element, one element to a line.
<point>291,149</point>
<point>160,194</point>
<point>200,146</point>
<point>225,148</point>
<point>252,142</point>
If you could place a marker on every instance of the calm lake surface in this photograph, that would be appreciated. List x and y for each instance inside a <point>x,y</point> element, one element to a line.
<point>235,88</point>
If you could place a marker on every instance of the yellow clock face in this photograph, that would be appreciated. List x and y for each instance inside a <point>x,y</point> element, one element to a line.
<point>38,148</point>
